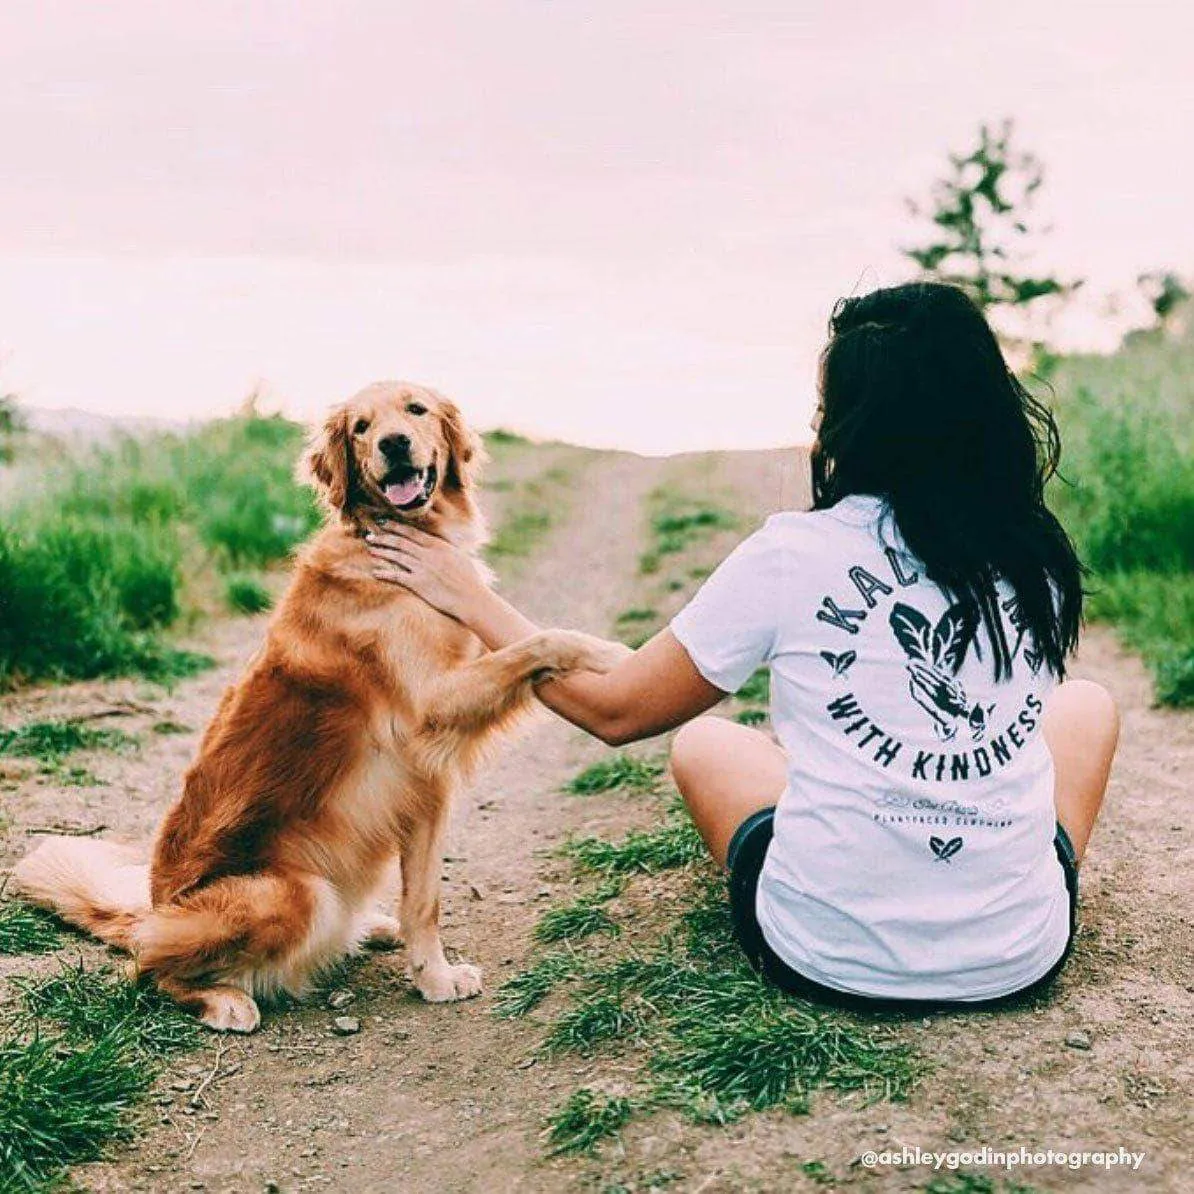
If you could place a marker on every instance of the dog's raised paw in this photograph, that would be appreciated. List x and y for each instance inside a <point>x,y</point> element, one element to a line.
<point>577,651</point>
<point>227,1009</point>
<point>445,984</point>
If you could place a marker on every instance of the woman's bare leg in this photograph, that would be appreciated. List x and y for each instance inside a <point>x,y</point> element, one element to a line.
<point>725,772</point>
<point>1081,726</point>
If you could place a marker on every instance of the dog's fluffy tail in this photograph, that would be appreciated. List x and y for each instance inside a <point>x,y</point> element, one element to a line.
<point>98,886</point>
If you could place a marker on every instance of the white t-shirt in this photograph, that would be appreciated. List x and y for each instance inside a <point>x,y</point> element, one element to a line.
<point>913,853</point>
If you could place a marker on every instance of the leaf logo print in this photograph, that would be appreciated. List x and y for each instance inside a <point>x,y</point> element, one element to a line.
<point>935,656</point>
<point>839,663</point>
<point>944,850</point>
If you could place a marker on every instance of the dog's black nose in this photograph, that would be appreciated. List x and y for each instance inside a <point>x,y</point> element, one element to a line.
<point>395,447</point>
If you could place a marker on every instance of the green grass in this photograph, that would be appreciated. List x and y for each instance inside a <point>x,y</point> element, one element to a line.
<point>1129,460</point>
<point>621,773</point>
<point>757,689</point>
<point>750,717</point>
<point>637,626</point>
<point>78,1057</point>
<point>27,930</point>
<point>675,843</point>
<point>169,727</point>
<point>700,1031</point>
<point>583,917</point>
<point>61,1106</point>
<point>637,614</point>
<point>965,1182</point>
<point>585,1120</point>
<point>527,989</point>
<point>86,1005</point>
<point>79,600</point>
<point>677,522</point>
<point>51,741</point>
<point>593,1019</point>
<point>502,437</point>
<point>532,510</point>
<point>117,547</point>
<point>246,595</point>
<point>1155,614</point>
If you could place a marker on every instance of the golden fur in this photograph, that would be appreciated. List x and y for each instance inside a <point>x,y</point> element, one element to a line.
<point>337,752</point>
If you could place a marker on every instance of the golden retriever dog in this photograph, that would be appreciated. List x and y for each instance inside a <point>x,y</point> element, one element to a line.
<point>337,752</point>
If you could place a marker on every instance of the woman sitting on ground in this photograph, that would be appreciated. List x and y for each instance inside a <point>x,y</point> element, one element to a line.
<point>914,837</point>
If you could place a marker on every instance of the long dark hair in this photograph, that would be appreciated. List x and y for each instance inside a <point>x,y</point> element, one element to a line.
<point>919,408</point>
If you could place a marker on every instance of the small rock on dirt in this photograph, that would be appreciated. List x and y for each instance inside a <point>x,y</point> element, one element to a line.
<point>346,1025</point>
<point>1078,1040</point>
<point>339,999</point>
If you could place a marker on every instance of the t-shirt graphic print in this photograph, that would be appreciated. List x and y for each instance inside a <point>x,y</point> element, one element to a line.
<point>913,853</point>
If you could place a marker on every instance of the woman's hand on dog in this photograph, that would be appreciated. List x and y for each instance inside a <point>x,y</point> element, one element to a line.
<point>430,567</point>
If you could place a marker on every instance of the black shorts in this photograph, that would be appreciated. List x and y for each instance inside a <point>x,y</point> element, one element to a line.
<point>748,849</point>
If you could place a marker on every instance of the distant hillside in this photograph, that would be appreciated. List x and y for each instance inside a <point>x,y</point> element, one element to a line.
<point>88,427</point>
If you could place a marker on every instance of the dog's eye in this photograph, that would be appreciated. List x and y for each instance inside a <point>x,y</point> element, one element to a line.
<point>360,427</point>
<point>415,408</point>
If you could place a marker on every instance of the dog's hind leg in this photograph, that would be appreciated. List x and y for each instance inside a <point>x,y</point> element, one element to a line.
<point>378,930</point>
<point>223,1008</point>
<point>211,949</point>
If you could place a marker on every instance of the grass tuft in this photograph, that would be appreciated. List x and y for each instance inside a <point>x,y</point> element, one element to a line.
<point>246,595</point>
<point>715,1041</point>
<point>595,1019</point>
<point>51,741</point>
<point>585,916</point>
<point>966,1182</point>
<point>61,1106</point>
<point>83,1050</point>
<point>585,1120</point>
<point>27,930</point>
<point>621,773</point>
<point>501,436</point>
<point>638,614</point>
<point>678,521</point>
<point>169,727</point>
<point>757,689</point>
<point>533,508</point>
<point>524,992</point>
<point>750,717</point>
<point>86,1005</point>
<point>676,843</point>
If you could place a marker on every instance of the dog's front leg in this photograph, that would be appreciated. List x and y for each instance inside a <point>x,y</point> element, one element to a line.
<point>422,860</point>
<point>470,699</point>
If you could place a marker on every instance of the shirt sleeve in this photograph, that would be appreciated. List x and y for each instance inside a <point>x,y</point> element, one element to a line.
<point>730,626</point>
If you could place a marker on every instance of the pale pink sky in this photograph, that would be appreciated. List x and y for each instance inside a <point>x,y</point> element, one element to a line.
<point>622,223</point>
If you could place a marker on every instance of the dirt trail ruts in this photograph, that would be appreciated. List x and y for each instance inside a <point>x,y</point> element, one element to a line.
<point>450,1099</point>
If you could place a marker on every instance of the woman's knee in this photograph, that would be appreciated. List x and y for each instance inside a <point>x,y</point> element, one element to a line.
<point>693,745</point>
<point>721,757</point>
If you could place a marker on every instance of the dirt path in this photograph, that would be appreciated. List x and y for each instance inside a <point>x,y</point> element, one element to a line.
<point>451,1099</point>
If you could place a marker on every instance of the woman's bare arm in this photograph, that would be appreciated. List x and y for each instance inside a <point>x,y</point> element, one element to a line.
<point>652,690</point>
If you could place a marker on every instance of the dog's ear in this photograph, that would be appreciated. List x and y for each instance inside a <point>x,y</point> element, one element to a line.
<point>328,463</point>
<point>466,452</point>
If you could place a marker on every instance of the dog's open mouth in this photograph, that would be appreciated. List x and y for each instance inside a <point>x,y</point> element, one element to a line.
<point>409,488</point>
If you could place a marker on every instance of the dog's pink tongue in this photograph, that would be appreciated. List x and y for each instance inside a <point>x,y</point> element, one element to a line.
<point>405,491</point>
